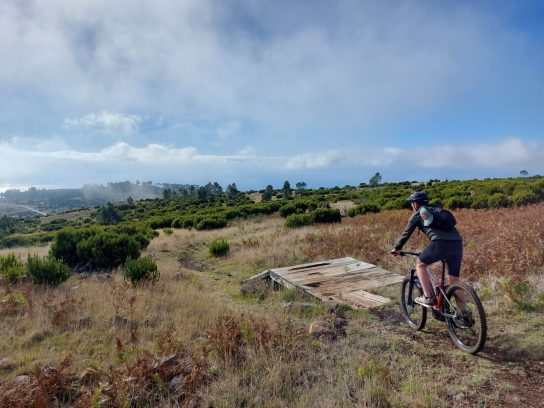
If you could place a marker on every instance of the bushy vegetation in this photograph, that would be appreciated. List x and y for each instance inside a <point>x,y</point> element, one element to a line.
<point>298,220</point>
<point>140,269</point>
<point>219,247</point>
<point>100,247</point>
<point>326,215</point>
<point>11,268</point>
<point>47,271</point>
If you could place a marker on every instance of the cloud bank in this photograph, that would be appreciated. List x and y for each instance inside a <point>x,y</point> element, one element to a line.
<point>510,153</point>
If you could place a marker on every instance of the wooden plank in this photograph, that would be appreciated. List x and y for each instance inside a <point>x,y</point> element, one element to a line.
<point>343,280</point>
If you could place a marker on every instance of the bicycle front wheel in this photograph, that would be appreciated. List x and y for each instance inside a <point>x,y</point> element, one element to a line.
<point>468,327</point>
<point>414,313</point>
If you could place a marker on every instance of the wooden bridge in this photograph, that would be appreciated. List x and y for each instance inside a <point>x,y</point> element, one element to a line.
<point>343,280</point>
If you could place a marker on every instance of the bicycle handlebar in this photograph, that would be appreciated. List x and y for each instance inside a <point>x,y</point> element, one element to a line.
<point>404,253</point>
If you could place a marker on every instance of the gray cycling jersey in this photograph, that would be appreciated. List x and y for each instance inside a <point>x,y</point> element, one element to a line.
<point>434,234</point>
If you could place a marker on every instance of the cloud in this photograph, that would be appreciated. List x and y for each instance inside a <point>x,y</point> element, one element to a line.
<point>109,122</point>
<point>509,152</point>
<point>281,64</point>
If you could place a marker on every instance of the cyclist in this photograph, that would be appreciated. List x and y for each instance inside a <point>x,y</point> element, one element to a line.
<point>445,244</point>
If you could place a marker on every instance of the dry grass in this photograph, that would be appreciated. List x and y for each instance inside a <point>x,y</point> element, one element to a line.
<point>25,251</point>
<point>251,351</point>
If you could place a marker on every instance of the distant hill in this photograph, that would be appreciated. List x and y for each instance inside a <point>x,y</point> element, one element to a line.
<point>27,203</point>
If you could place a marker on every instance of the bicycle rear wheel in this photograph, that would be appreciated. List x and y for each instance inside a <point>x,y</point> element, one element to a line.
<point>415,314</point>
<point>468,329</point>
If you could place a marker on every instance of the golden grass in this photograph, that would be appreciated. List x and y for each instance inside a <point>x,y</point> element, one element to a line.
<point>378,363</point>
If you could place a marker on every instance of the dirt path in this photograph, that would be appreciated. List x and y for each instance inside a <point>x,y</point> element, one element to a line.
<point>518,378</point>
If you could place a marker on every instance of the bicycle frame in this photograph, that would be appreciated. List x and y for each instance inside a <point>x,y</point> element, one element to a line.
<point>438,287</point>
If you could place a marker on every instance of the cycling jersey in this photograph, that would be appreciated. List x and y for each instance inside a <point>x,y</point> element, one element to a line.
<point>434,234</point>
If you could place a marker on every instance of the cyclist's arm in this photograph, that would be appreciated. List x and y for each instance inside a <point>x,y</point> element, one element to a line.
<point>412,224</point>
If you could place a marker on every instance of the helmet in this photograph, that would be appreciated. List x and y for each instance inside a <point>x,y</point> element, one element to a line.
<point>419,197</point>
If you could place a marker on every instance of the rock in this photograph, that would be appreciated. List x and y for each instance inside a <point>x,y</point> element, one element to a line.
<point>331,307</point>
<point>339,323</point>
<point>122,323</point>
<point>36,338</point>
<point>21,380</point>
<point>84,322</point>
<point>89,375</point>
<point>49,369</point>
<point>165,362</point>
<point>300,307</point>
<point>459,397</point>
<point>334,308</point>
<point>6,364</point>
<point>177,385</point>
<point>321,328</point>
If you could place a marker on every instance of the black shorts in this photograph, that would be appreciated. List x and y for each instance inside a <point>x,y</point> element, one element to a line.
<point>451,251</point>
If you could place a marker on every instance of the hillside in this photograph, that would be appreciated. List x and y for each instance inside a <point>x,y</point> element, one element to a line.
<point>195,339</point>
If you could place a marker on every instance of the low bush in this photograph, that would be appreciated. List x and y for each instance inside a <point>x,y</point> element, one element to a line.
<point>219,247</point>
<point>299,220</point>
<point>107,249</point>
<point>210,223</point>
<point>136,270</point>
<point>298,207</point>
<point>364,208</point>
<point>168,231</point>
<point>11,268</point>
<point>326,215</point>
<point>47,271</point>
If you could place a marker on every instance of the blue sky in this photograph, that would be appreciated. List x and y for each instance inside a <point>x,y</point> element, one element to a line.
<point>254,92</point>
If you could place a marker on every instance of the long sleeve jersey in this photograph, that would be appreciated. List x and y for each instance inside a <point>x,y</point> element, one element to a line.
<point>434,234</point>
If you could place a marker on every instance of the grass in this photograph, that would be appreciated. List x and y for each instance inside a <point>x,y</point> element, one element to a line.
<point>379,361</point>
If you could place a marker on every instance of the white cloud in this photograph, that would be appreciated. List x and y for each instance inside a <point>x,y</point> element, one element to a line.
<point>110,122</point>
<point>509,152</point>
<point>285,65</point>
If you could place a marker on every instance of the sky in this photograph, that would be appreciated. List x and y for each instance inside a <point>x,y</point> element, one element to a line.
<point>256,92</point>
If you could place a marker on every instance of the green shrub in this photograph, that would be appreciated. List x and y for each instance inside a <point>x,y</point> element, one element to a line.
<point>136,270</point>
<point>299,220</point>
<point>177,223</point>
<point>108,249</point>
<point>498,200</point>
<point>364,208</point>
<point>210,223</point>
<point>298,207</point>
<point>219,247</point>
<point>47,271</point>
<point>168,231</point>
<point>326,215</point>
<point>11,268</point>
<point>524,196</point>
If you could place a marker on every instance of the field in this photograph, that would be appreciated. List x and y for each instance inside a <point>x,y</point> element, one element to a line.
<point>194,339</point>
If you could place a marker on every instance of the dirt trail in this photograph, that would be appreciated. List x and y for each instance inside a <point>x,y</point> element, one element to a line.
<point>522,373</point>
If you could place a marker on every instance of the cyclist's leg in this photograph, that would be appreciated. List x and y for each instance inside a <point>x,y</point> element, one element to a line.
<point>453,260</point>
<point>428,256</point>
<point>421,270</point>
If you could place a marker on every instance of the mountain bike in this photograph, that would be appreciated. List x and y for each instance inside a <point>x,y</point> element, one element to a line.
<point>457,305</point>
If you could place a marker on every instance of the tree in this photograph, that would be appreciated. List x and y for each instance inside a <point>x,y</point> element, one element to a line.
<point>286,191</point>
<point>301,186</point>
<point>268,192</point>
<point>108,215</point>
<point>232,191</point>
<point>375,180</point>
<point>524,173</point>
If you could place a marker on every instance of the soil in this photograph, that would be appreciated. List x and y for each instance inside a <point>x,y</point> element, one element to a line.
<point>523,374</point>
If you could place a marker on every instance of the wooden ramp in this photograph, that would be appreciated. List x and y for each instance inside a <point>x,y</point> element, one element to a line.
<point>342,280</point>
